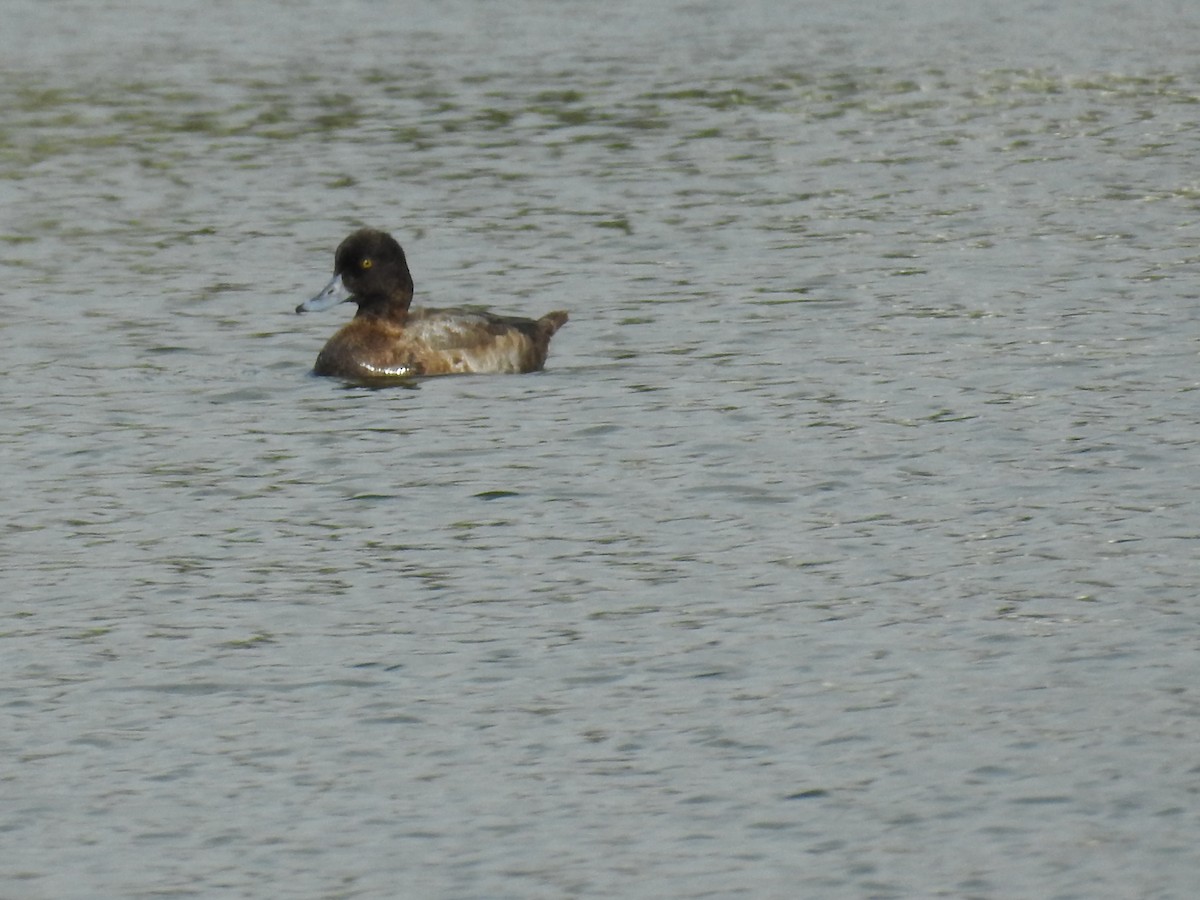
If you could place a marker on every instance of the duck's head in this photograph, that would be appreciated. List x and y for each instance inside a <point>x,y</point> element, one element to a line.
<point>370,269</point>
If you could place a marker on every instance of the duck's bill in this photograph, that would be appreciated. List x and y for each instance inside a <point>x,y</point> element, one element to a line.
<point>334,293</point>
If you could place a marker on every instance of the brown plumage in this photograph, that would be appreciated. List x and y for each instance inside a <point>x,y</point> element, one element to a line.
<point>388,339</point>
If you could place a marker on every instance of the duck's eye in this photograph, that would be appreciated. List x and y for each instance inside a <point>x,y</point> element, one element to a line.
<point>366,263</point>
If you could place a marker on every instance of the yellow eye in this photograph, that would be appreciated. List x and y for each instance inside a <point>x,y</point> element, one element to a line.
<point>366,263</point>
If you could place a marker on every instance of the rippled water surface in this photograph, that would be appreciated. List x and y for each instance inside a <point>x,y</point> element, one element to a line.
<point>848,546</point>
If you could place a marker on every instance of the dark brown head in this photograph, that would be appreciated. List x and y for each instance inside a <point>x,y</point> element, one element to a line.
<point>370,269</point>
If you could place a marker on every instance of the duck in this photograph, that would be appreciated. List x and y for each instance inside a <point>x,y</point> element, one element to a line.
<point>387,338</point>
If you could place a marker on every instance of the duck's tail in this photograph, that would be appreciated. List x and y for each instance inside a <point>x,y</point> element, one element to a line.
<point>552,321</point>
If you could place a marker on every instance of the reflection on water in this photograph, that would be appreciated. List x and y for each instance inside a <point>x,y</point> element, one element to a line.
<point>846,545</point>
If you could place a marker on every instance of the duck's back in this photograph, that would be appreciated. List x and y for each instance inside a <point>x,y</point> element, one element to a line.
<point>440,342</point>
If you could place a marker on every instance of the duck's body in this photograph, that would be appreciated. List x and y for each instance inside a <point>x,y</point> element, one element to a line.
<point>438,342</point>
<point>387,338</point>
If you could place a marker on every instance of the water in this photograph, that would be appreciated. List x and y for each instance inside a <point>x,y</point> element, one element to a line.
<point>846,548</point>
